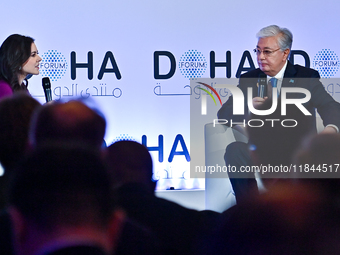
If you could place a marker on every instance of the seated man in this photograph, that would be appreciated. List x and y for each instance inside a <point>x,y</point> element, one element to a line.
<point>272,50</point>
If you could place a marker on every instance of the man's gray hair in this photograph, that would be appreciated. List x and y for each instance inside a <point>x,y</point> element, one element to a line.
<point>285,38</point>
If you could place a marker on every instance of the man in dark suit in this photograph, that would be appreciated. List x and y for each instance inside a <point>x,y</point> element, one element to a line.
<point>272,50</point>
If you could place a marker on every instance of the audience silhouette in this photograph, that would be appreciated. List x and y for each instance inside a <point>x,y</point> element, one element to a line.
<point>16,112</point>
<point>177,227</point>
<point>69,194</point>
<point>60,204</point>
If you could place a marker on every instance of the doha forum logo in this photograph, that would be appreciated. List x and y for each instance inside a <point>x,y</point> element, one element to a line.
<point>326,62</point>
<point>53,65</point>
<point>192,64</point>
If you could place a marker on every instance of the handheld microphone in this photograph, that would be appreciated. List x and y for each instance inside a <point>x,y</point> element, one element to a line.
<point>262,85</point>
<point>46,83</point>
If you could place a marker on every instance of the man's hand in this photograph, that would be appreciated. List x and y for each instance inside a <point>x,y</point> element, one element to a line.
<point>258,101</point>
<point>329,130</point>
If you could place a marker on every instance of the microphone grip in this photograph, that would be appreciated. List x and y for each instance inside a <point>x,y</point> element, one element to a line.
<point>46,83</point>
<point>261,91</point>
<point>48,94</point>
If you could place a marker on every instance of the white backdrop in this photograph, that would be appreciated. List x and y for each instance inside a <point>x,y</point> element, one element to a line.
<point>129,33</point>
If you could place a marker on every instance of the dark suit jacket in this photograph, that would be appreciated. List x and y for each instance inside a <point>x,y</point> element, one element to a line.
<point>295,76</point>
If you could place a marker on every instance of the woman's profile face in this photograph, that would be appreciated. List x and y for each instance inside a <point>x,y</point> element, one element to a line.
<point>31,66</point>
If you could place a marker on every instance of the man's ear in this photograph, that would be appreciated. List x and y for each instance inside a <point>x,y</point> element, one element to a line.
<point>116,225</point>
<point>286,54</point>
<point>19,225</point>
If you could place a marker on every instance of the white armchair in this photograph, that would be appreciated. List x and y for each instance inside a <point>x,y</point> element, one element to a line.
<point>219,194</point>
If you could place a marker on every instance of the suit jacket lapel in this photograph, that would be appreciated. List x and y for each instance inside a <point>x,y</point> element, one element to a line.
<point>289,76</point>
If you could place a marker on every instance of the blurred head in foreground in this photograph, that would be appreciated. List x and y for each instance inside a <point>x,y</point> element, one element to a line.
<point>130,162</point>
<point>72,121</point>
<point>60,195</point>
